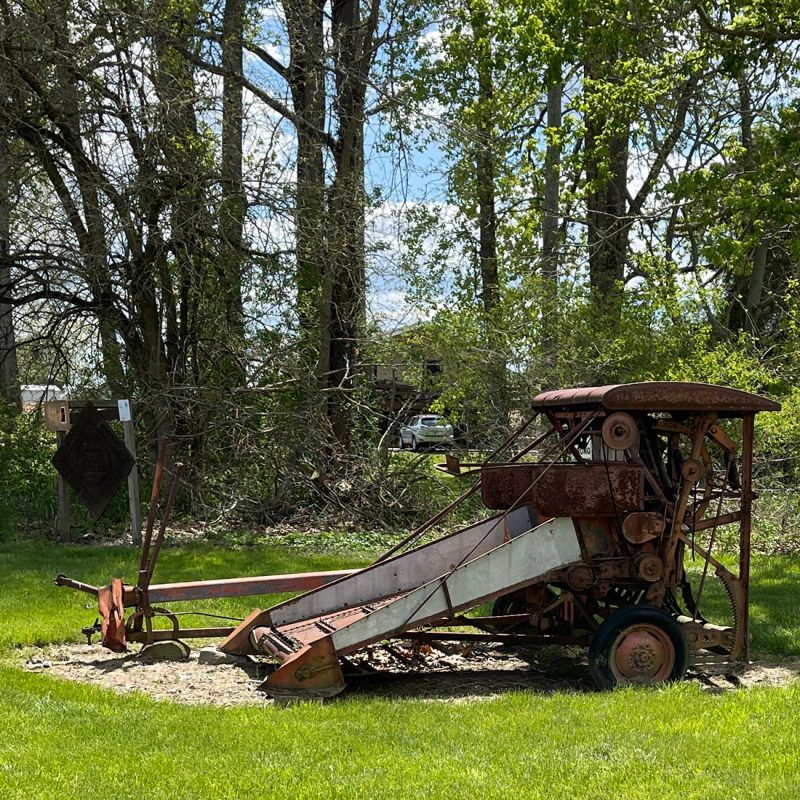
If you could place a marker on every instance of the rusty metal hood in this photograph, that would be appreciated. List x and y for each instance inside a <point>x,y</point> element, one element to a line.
<point>659,396</point>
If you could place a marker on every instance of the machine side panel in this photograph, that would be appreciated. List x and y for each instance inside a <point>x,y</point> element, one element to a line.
<point>405,572</point>
<point>516,563</point>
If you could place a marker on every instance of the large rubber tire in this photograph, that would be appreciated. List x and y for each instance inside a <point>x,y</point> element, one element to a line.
<point>638,645</point>
<point>400,444</point>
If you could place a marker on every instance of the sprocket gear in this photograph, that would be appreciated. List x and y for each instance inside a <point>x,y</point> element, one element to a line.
<point>731,584</point>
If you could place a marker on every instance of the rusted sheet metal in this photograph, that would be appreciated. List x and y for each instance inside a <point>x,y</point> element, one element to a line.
<point>238,640</point>
<point>598,535</point>
<point>309,649</point>
<point>112,612</point>
<point>513,565</point>
<point>284,641</point>
<point>659,396</point>
<point>643,526</point>
<point>312,672</point>
<point>577,490</point>
<point>401,573</point>
<point>240,587</point>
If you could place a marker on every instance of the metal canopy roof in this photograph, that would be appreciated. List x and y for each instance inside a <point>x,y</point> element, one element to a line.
<point>658,396</point>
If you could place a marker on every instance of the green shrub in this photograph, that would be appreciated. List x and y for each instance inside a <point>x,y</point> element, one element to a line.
<point>27,478</point>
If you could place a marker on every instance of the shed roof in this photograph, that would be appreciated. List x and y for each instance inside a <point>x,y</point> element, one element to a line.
<point>658,396</point>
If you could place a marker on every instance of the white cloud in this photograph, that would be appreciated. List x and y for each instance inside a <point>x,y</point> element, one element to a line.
<point>431,41</point>
<point>389,297</point>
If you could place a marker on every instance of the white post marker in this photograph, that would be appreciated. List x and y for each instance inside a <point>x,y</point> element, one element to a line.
<point>126,418</point>
<point>124,409</point>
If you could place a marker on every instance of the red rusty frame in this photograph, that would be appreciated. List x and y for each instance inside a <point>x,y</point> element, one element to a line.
<point>653,564</point>
<point>518,484</point>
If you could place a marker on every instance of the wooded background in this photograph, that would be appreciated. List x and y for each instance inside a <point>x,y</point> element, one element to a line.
<point>226,210</point>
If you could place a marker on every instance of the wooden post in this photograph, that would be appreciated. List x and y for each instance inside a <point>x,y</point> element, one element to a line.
<point>744,529</point>
<point>62,519</point>
<point>134,503</point>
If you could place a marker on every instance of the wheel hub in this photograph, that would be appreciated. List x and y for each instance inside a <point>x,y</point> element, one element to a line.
<point>642,654</point>
<point>643,657</point>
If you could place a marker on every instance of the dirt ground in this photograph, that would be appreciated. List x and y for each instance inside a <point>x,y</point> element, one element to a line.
<point>397,669</point>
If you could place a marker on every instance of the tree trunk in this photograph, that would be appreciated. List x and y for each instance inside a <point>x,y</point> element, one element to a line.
<point>234,203</point>
<point>306,76</point>
<point>485,176</point>
<point>345,279</point>
<point>606,207</point>
<point>9,375</point>
<point>746,305</point>
<point>93,241</point>
<point>551,228</point>
<point>9,371</point>
<point>485,188</point>
<point>606,153</point>
<point>202,353</point>
<point>756,287</point>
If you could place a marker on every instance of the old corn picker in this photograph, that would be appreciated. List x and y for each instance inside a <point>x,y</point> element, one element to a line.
<point>618,491</point>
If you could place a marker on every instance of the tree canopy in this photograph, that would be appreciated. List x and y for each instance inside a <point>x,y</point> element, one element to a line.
<point>226,210</point>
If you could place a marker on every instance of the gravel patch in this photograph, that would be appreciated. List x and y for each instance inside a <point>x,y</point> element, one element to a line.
<point>396,669</point>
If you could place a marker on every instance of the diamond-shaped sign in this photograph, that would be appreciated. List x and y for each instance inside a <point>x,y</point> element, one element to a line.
<point>92,460</point>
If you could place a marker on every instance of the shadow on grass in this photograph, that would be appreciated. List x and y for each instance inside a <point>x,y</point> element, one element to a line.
<point>554,675</point>
<point>439,685</point>
<point>775,613</point>
<point>462,685</point>
<point>124,663</point>
<point>484,674</point>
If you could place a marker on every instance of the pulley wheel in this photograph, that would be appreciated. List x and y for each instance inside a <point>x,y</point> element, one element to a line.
<point>580,577</point>
<point>620,431</point>
<point>692,470</point>
<point>650,567</point>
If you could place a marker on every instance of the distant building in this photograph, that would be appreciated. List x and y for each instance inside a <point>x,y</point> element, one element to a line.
<point>33,394</point>
<point>400,395</point>
<point>407,384</point>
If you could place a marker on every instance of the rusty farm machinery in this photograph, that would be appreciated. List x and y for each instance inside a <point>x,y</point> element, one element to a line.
<point>595,520</point>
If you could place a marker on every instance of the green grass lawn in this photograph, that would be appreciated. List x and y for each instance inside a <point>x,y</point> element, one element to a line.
<point>35,611</point>
<point>69,740</point>
<point>72,741</point>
